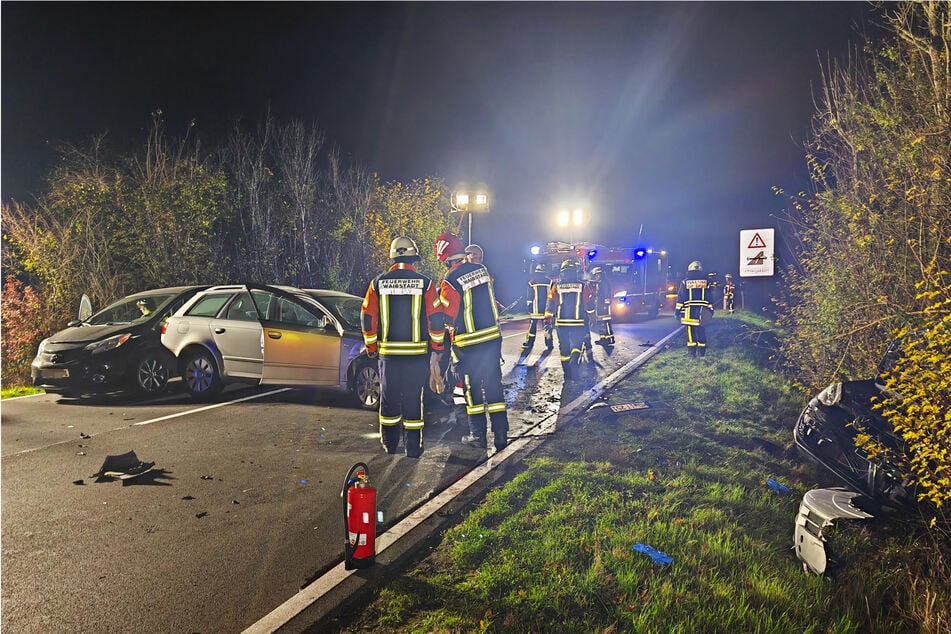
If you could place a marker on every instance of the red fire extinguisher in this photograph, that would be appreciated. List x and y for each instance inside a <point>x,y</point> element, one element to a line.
<point>359,518</point>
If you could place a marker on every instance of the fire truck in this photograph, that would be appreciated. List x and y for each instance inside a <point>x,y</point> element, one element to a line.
<point>637,276</point>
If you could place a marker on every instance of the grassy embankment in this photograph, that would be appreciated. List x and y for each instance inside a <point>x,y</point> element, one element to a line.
<point>19,391</point>
<point>552,550</point>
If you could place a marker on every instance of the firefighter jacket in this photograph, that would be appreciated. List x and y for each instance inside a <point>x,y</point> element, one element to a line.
<point>602,299</point>
<point>537,295</point>
<point>568,302</point>
<point>468,303</point>
<point>401,315</point>
<point>693,297</point>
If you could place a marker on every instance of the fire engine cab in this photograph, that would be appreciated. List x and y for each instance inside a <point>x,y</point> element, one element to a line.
<point>637,276</point>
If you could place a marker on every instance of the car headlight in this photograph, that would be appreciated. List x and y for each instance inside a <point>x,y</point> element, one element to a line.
<point>620,295</point>
<point>110,343</point>
<point>831,395</point>
<point>42,347</point>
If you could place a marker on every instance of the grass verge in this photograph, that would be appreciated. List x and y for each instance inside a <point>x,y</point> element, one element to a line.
<point>19,391</point>
<point>553,549</point>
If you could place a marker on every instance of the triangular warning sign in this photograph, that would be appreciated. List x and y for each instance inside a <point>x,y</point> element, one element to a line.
<point>756,242</point>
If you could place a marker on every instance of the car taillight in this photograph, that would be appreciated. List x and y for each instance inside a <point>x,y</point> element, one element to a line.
<point>164,326</point>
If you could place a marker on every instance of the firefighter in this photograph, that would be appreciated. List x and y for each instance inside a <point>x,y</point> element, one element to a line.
<point>536,297</point>
<point>467,299</point>
<point>729,288</point>
<point>601,292</point>
<point>694,307</point>
<point>569,300</point>
<point>402,324</point>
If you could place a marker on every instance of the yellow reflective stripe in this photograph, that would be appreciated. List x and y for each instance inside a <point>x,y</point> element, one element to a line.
<point>369,339</point>
<point>384,316</point>
<point>479,336</point>
<point>475,409</point>
<point>496,407</point>
<point>417,309</point>
<point>569,322</point>
<point>438,301</point>
<point>412,424</point>
<point>438,338</point>
<point>495,310</point>
<point>403,347</point>
<point>389,421</point>
<point>564,358</point>
<point>467,307</point>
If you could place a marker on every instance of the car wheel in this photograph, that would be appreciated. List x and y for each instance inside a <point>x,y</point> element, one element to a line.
<point>366,386</point>
<point>200,375</point>
<point>152,373</point>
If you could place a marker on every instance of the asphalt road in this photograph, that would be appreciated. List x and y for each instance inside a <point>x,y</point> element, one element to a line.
<point>243,506</point>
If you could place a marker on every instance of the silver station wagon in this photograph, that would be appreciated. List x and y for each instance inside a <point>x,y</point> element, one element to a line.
<point>272,335</point>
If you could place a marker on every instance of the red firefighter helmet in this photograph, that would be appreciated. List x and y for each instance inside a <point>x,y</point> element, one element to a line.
<point>449,247</point>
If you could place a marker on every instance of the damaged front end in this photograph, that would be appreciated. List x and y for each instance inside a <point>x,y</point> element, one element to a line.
<point>826,434</point>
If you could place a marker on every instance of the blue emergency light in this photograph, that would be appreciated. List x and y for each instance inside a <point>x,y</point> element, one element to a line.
<point>640,253</point>
<point>592,253</point>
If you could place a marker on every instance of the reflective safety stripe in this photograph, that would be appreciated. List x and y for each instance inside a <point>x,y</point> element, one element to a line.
<point>403,348</point>
<point>475,409</point>
<point>569,322</point>
<point>494,408</point>
<point>368,340</point>
<point>389,421</point>
<point>479,336</point>
<point>412,424</point>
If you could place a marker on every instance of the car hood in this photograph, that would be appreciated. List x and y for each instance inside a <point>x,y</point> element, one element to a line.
<point>88,334</point>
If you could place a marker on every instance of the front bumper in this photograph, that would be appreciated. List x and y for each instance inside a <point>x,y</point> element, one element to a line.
<point>80,374</point>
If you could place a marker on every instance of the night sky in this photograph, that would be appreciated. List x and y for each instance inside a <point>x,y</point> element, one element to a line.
<point>676,116</point>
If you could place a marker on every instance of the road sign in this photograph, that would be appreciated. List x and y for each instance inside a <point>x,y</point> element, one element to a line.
<point>757,248</point>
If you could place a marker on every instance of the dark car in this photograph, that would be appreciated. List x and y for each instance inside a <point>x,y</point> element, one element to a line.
<point>272,335</point>
<point>118,349</point>
<point>827,429</point>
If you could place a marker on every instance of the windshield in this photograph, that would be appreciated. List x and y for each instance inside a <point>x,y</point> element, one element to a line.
<point>344,308</point>
<point>130,310</point>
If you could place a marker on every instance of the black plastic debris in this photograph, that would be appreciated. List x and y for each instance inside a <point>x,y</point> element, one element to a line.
<point>80,481</point>
<point>122,467</point>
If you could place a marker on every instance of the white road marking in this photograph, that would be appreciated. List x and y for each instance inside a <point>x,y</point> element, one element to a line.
<point>155,420</point>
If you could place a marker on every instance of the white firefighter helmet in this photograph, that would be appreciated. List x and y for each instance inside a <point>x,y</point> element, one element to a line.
<point>695,266</point>
<point>539,268</point>
<point>403,246</point>
<point>597,271</point>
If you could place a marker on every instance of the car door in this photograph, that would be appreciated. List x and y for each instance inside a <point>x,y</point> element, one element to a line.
<point>301,341</point>
<point>234,328</point>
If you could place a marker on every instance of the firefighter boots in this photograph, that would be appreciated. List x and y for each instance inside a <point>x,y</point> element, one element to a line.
<point>390,437</point>
<point>414,443</point>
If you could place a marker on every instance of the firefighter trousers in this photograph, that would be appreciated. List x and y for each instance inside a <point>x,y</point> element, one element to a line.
<point>401,403</point>
<point>532,329</point>
<point>482,378</point>
<point>571,341</point>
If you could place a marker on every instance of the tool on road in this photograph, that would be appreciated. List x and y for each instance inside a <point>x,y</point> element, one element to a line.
<point>359,518</point>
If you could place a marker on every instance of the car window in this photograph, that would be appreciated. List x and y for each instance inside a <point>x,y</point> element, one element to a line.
<point>208,305</point>
<point>242,308</point>
<point>345,309</point>
<point>289,312</point>
<point>129,310</point>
